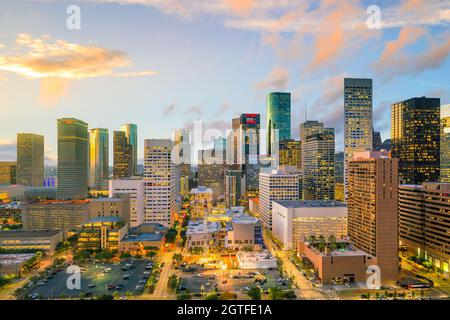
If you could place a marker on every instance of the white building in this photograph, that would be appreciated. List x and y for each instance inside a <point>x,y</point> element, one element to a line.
<point>298,220</point>
<point>244,231</point>
<point>135,188</point>
<point>202,234</point>
<point>256,260</point>
<point>159,181</point>
<point>273,186</point>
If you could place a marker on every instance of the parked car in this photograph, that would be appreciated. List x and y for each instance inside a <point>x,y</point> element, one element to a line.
<point>126,277</point>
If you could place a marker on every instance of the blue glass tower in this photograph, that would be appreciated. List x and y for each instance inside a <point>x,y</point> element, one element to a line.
<point>278,118</point>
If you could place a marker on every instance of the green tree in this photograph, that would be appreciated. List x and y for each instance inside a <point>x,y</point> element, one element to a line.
<point>172,283</point>
<point>177,257</point>
<point>254,293</point>
<point>276,293</point>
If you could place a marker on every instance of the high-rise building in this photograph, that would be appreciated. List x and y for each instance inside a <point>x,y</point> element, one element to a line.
<point>182,152</point>
<point>415,134</point>
<point>211,172</point>
<point>278,118</point>
<point>30,159</point>
<point>131,135</point>
<point>308,128</point>
<point>245,148</point>
<point>8,171</point>
<point>376,141</point>
<point>122,156</point>
<point>276,185</point>
<point>290,153</point>
<point>98,159</point>
<point>339,176</point>
<point>424,222</point>
<point>159,180</point>
<point>372,209</point>
<point>73,159</point>
<point>234,187</point>
<point>445,144</point>
<point>318,169</point>
<point>358,119</point>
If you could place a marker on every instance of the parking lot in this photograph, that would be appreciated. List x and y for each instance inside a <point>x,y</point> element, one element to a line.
<point>235,281</point>
<point>96,279</point>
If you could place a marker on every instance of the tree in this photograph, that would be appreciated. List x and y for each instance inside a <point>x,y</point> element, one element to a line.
<point>177,257</point>
<point>151,254</point>
<point>276,293</point>
<point>125,255</point>
<point>212,296</point>
<point>254,293</point>
<point>172,283</point>
<point>228,296</point>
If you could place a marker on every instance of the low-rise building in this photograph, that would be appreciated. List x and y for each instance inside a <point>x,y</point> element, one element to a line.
<point>10,213</point>
<point>204,234</point>
<point>298,220</point>
<point>102,233</point>
<point>32,240</point>
<point>118,206</point>
<point>143,237</point>
<point>243,231</point>
<point>343,264</point>
<point>256,260</point>
<point>55,215</point>
<point>135,187</point>
<point>14,263</point>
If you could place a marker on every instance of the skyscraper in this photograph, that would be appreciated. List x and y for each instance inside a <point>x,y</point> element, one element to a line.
<point>159,181</point>
<point>308,128</point>
<point>131,135</point>
<point>211,172</point>
<point>339,176</point>
<point>98,159</point>
<point>372,209</point>
<point>8,172</point>
<point>445,143</point>
<point>244,144</point>
<point>234,187</point>
<point>290,153</point>
<point>278,118</point>
<point>30,159</point>
<point>122,153</point>
<point>318,173</point>
<point>376,141</point>
<point>73,160</point>
<point>415,134</point>
<point>358,119</point>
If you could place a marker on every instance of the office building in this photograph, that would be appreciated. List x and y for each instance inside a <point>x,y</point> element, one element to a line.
<point>415,134</point>
<point>30,159</point>
<point>8,173</point>
<point>73,160</point>
<point>98,159</point>
<point>278,118</point>
<point>55,215</point>
<point>130,131</point>
<point>445,144</point>
<point>234,187</point>
<point>277,185</point>
<point>211,171</point>
<point>309,128</point>
<point>376,141</point>
<point>290,153</point>
<point>30,240</point>
<point>118,206</point>
<point>202,234</point>
<point>122,162</point>
<point>372,209</point>
<point>102,233</point>
<point>159,181</point>
<point>318,168</point>
<point>243,231</point>
<point>424,223</point>
<point>358,120</point>
<point>299,220</point>
<point>136,189</point>
<point>339,176</point>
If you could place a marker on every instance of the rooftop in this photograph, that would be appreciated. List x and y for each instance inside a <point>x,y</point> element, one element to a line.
<point>144,237</point>
<point>310,203</point>
<point>20,234</point>
<point>201,189</point>
<point>9,259</point>
<point>255,256</point>
<point>198,227</point>
<point>105,219</point>
<point>108,199</point>
<point>244,219</point>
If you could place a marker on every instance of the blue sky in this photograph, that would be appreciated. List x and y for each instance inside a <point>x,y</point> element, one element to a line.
<point>162,64</point>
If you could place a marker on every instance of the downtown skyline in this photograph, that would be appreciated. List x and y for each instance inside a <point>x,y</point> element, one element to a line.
<point>227,65</point>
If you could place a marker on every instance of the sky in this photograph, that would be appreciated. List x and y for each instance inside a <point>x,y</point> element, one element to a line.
<point>164,63</point>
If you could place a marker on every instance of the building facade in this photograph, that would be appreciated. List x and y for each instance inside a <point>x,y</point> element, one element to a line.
<point>130,131</point>
<point>122,159</point>
<point>278,118</point>
<point>30,159</point>
<point>415,134</point>
<point>372,209</point>
<point>445,144</point>
<point>290,153</point>
<point>8,172</point>
<point>135,187</point>
<point>98,159</point>
<point>201,202</point>
<point>73,160</point>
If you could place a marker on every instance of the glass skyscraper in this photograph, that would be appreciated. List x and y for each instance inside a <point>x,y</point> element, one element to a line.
<point>358,126</point>
<point>30,159</point>
<point>445,143</point>
<point>98,159</point>
<point>131,134</point>
<point>415,134</point>
<point>122,153</point>
<point>278,118</point>
<point>73,160</point>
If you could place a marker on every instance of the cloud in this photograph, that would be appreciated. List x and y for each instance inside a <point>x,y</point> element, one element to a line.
<point>240,7</point>
<point>195,111</point>
<point>52,90</point>
<point>169,110</point>
<point>278,79</point>
<point>223,109</point>
<point>42,58</point>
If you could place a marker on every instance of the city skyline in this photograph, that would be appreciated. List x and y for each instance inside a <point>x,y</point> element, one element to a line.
<point>247,48</point>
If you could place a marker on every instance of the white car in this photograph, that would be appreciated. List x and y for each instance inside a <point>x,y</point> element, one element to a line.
<point>41,283</point>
